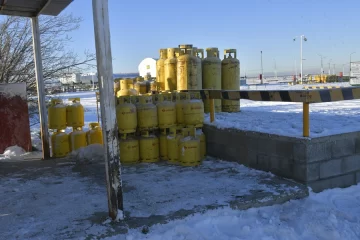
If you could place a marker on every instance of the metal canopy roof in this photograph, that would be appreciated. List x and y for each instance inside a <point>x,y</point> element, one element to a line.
<point>32,8</point>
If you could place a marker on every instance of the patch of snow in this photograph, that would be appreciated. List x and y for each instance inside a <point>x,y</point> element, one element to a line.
<point>332,214</point>
<point>286,118</point>
<point>89,154</point>
<point>120,215</point>
<point>13,153</point>
<point>13,89</point>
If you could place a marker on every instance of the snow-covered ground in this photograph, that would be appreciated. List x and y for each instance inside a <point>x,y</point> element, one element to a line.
<point>330,215</point>
<point>64,205</point>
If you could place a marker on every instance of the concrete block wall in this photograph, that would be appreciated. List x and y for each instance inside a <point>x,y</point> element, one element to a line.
<point>320,163</point>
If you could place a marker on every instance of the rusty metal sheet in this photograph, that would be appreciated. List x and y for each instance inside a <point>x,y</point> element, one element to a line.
<point>14,117</point>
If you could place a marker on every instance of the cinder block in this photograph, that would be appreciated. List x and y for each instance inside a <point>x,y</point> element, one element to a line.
<point>350,164</point>
<point>342,148</point>
<point>335,182</point>
<point>263,162</point>
<point>330,168</point>
<point>285,149</point>
<point>357,144</point>
<point>215,149</point>
<point>357,177</point>
<point>300,152</point>
<point>318,151</point>
<point>266,146</point>
<point>306,172</point>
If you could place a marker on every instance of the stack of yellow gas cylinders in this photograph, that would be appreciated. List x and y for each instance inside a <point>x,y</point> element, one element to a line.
<point>61,116</point>
<point>186,68</point>
<point>164,126</point>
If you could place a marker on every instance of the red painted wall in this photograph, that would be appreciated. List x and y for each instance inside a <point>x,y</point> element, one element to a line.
<point>14,117</point>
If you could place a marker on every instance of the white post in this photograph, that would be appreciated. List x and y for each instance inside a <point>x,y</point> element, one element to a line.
<point>107,106</point>
<point>40,88</point>
<point>301,60</point>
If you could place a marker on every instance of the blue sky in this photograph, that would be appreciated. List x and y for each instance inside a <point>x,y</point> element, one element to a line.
<point>139,28</point>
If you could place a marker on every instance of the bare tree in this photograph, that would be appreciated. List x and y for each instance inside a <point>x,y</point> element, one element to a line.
<point>16,52</point>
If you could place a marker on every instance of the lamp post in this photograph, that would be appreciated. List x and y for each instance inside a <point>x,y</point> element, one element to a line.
<point>302,38</point>
<point>262,72</point>
<point>329,66</point>
<point>322,68</point>
<point>350,63</point>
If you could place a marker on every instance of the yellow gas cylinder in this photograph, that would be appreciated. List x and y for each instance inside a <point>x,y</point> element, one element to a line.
<point>230,79</point>
<point>129,150</point>
<point>149,147</point>
<point>126,92</point>
<point>160,74</point>
<point>60,144</point>
<point>194,110</point>
<point>57,114</point>
<point>155,86</point>
<point>187,65</point>
<point>142,87</point>
<point>146,113</point>
<point>199,54</point>
<point>173,141</point>
<point>126,83</point>
<point>94,134</point>
<point>139,79</point>
<point>189,149</point>
<point>166,111</point>
<point>163,145</point>
<point>75,113</point>
<point>181,99</point>
<point>201,136</point>
<point>77,139</point>
<point>170,69</point>
<point>211,67</point>
<point>116,85</point>
<point>126,115</point>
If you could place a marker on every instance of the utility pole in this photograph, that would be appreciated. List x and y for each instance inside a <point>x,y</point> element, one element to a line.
<point>334,69</point>
<point>302,38</point>
<point>350,63</point>
<point>296,72</point>
<point>107,107</point>
<point>262,72</point>
<point>275,71</point>
<point>329,66</point>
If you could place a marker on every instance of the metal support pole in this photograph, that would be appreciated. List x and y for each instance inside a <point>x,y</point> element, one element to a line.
<point>212,110</point>
<point>301,60</point>
<point>262,70</point>
<point>40,88</point>
<point>306,126</point>
<point>107,107</point>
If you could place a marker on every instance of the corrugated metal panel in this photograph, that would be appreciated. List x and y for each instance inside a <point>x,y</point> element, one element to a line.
<point>14,117</point>
<point>30,8</point>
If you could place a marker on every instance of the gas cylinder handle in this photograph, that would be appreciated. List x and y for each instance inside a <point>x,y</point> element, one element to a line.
<point>229,51</point>
<point>192,131</point>
<point>145,133</point>
<point>55,101</point>
<point>172,131</point>
<point>201,51</point>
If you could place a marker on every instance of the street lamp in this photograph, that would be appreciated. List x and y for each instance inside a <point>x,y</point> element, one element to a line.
<point>322,68</point>
<point>329,66</point>
<point>302,38</point>
<point>262,72</point>
<point>350,63</point>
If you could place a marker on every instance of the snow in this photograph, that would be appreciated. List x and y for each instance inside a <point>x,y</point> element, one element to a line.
<point>89,154</point>
<point>332,214</point>
<point>13,89</point>
<point>13,152</point>
<point>286,118</point>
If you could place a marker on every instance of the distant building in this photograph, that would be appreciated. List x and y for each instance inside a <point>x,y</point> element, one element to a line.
<point>89,78</point>
<point>147,67</point>
<point>70,78</point>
